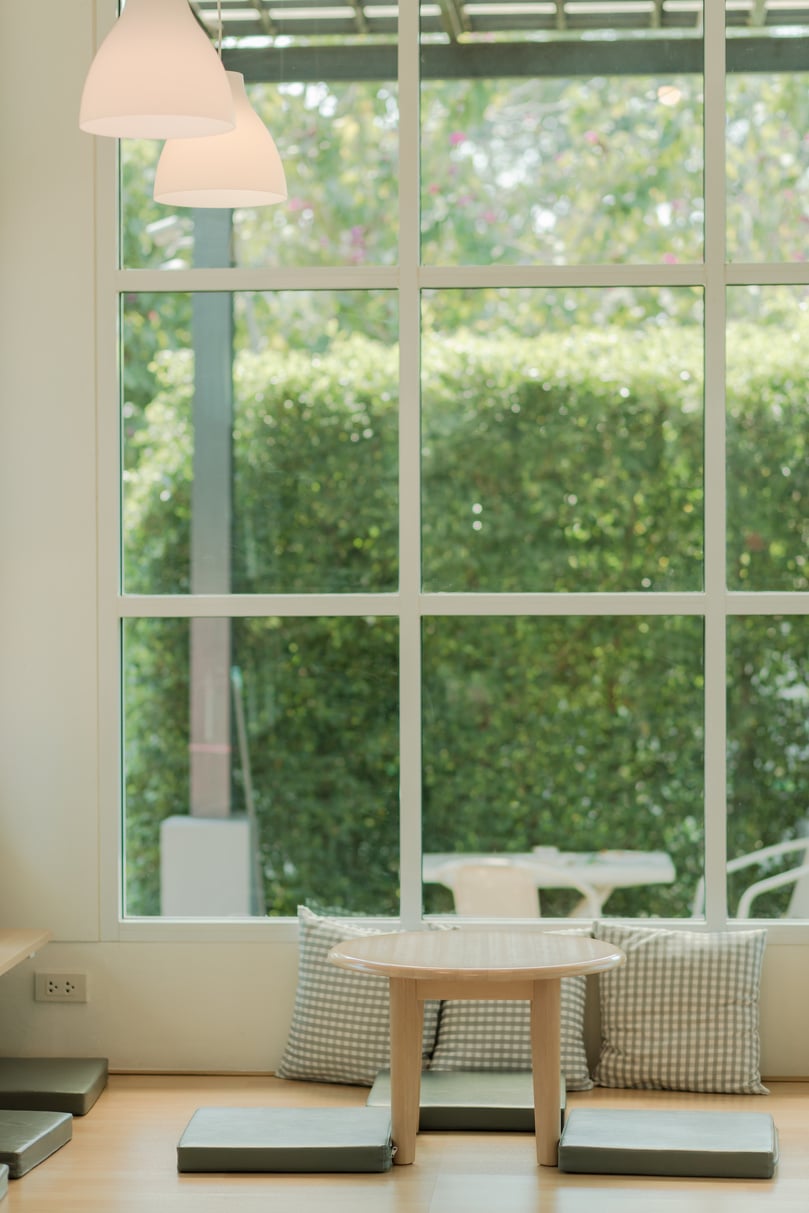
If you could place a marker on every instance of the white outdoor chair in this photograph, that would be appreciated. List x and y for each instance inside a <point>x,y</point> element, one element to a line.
<point>494,888</point>
<point>798,876</point>
<point>504,888</point>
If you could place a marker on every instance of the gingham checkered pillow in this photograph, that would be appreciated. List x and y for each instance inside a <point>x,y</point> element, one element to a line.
<point>682,1013</point>
<point>340,1023</point>
<point>495,1035</point>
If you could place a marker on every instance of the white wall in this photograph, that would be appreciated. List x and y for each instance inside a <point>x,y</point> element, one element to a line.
<point>48,793</point>
<point>163,1005</point>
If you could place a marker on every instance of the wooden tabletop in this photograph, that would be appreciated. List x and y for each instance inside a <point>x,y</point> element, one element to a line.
<point>18,945</point>
<point>491,955</point>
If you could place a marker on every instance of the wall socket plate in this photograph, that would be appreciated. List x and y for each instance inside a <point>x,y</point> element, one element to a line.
<point>60,987</point>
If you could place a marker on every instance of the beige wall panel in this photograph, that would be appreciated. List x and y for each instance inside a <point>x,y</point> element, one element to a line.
<point>203,1006</point>
<point>48,749</point>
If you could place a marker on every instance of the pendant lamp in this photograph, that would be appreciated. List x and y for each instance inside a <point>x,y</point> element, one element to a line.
<point>156,76</point>
<point>241,168</point>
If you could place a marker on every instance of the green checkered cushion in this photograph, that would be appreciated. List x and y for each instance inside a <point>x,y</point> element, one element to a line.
<point>340,1023</point>
<point>682,1014</point>
<point>496,1035</point>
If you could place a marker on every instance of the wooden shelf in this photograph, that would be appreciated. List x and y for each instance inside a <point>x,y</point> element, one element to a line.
<point>16,946</point>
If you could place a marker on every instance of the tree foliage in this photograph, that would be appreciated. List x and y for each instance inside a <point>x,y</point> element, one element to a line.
<point>583,732</point>
<point>562,451</point>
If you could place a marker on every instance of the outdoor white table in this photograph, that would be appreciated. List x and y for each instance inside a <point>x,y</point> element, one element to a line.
<point>601,871</point>
<point>516,964</point>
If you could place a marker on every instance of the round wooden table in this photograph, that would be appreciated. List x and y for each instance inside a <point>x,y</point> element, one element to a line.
<point>499,964</point>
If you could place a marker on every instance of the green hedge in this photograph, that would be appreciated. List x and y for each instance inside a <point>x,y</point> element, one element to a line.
<point>571,462</point>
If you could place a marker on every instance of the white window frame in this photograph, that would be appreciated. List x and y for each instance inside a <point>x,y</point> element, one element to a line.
<point>715,604</point>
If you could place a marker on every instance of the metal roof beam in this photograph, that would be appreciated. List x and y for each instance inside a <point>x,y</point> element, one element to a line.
<point>476,61</point>
<point>454,19</point>
<point>359,16</point>
<point>266,22</point>
<point>457,18</point>
<point>758,13</point>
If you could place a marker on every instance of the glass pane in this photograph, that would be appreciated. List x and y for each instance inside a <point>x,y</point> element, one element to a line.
<point>260,442</point>
<point>562,440</point>
<point>332,110</point>
<point>767,155</point>
<point>573,146</point>
<point>768,469</point>
<point>302,806</point>
<point>768,772</point>
<point>582,734</point>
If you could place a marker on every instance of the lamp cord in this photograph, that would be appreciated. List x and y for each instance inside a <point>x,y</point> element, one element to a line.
<point>219,21</point>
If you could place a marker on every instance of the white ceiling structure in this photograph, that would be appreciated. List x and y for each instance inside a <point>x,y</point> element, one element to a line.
<point>276,40</point>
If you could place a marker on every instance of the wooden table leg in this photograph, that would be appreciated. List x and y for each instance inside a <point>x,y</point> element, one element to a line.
<point>406,1020</point>
<point>546,1066</point>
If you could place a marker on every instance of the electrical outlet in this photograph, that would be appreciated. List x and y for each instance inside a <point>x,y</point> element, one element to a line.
<point>60,987</point>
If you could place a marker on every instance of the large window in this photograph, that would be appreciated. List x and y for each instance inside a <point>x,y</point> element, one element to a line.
<point>463,495</point>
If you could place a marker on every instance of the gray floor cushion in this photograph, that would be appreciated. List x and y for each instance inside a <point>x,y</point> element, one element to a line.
<point>286,1139</point>
<point>3,1180</point>
<point>471,1101</point>
<point>742,1145</point>
<point>27,1138</point>
<point>52,1084</point>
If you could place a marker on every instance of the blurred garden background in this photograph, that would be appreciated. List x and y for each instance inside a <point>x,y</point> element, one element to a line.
<point>562,452</point>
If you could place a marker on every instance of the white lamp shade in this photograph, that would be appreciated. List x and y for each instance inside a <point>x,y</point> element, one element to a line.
<point>242,168</point>
<point>156,76</point>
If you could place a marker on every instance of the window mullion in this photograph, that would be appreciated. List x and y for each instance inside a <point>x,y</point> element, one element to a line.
<point>409,470</point>
<point>107,328</point>
<point>715,785</point>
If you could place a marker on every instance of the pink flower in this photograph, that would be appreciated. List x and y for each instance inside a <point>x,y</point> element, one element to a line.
<point>591,136</point>
<point>457,137</point>
<point>669,259</point>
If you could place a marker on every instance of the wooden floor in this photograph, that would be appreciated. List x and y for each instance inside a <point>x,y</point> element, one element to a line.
<point>122,1159</point>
